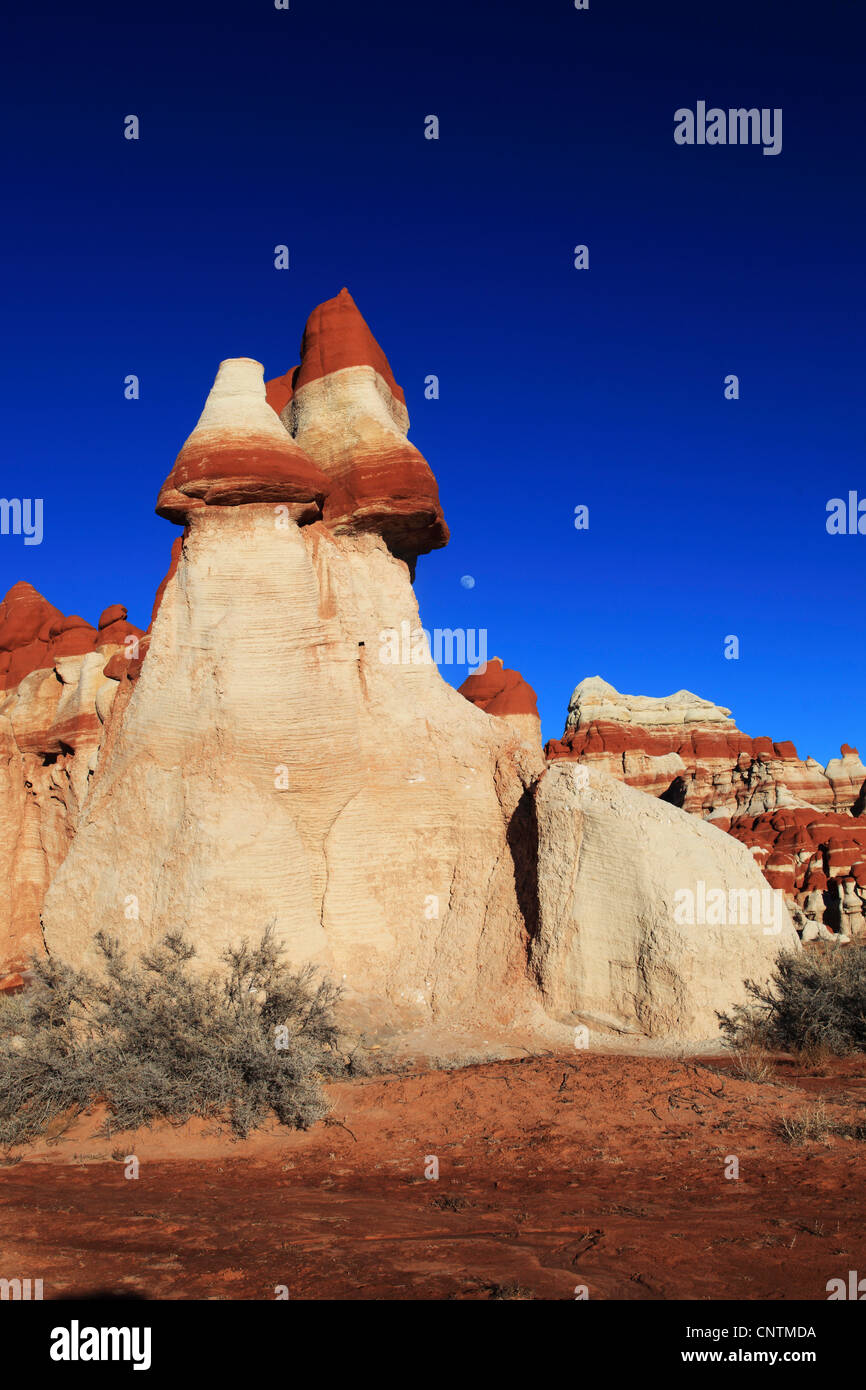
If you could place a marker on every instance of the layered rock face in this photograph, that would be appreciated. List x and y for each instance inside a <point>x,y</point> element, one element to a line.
<point>803,823</point>
<point>53,707</point>
<point>238,452</point>
<point>344,408</point>
<point>253,760</point>
<point>362,807</point>
<point>642,909</point>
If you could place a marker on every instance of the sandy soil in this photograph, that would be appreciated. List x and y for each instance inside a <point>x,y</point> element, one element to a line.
<point>603,1171</point>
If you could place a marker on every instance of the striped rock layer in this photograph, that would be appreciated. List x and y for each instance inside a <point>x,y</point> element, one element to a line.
<point>55,699</point>
<point>805,824</point>
<point>346,411</point>
<point>239,452</point>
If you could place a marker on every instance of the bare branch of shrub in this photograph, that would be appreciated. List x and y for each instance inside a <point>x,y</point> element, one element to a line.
<point>815,1003</point>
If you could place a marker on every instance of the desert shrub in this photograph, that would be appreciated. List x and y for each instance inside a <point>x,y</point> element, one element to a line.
<point>513,1293</point>
<point>815,1002</point>
<point>814,1123</point>
<point>152,1039</point>
<point>753,1064</point>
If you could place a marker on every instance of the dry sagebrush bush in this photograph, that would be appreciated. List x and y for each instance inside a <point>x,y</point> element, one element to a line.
<point>153,1040</point>
<point>814,1003</point>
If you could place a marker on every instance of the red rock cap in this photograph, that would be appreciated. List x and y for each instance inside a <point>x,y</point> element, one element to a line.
<point>239,452</point>
<point>114,628</point>
<point>348,413</point>
<point>27,622</point>
<point>115,613</point>
<point>33,634</point>
<point>499,691</point>
<point>337,336</point>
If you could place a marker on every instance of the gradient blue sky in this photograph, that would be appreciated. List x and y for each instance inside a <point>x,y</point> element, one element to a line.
<point>558,387</point>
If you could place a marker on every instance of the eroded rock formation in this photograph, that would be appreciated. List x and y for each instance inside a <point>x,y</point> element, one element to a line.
<point>239,452</point>
<point>803,823</point>
<point>642,909</point>
<point>360,806</point>
<point>505,693</point>
<point>344,408</point>
<point>53,706</point>
<point>252,760</point>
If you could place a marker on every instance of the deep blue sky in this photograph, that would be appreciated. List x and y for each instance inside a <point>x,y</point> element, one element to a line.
<point>558,387</point>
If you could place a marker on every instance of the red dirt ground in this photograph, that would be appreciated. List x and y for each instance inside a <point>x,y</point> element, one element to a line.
<point>606,1171</point>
